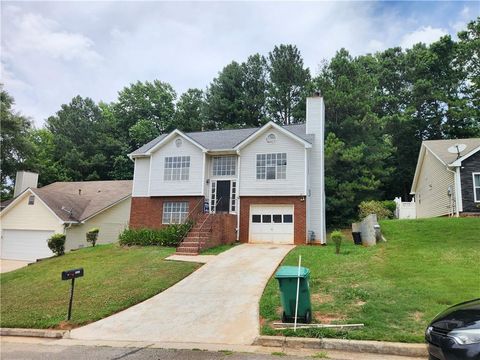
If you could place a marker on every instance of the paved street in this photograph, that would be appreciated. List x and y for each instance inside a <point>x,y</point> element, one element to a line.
<point>218,303</point>
<point>43,349</point>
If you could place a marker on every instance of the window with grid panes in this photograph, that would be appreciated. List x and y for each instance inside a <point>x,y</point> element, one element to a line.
<point>176,168</point>
<point>175,212</point>
<point>224,165</point>
<point>271,166</point>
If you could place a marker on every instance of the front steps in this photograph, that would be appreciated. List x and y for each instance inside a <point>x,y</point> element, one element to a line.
<point>197,237</point>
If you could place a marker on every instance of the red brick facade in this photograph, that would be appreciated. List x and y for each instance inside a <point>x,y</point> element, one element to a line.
<point>147,212</point>
<point>299,216</point>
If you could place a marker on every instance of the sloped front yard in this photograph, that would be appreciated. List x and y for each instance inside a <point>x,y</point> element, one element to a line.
<point>394,288</point>
<point>115,278</point>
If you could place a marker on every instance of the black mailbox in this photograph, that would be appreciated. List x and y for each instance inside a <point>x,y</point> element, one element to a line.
<point>72,274</point>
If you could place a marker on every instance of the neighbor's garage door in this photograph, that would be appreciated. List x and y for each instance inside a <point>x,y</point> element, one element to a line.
<point>271,224</point>
<point>27,245</point>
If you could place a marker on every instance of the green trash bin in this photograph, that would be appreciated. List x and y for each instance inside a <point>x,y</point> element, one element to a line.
<point>287,280</point>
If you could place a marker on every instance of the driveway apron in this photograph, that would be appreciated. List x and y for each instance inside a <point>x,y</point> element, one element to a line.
<point>216,304</point>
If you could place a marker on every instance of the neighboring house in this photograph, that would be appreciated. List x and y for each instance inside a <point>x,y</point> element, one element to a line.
<point>71,208</point>
<point>447,183</point>
<point>271,179</point>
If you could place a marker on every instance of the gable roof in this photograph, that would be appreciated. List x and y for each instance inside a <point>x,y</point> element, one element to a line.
<point>268,126</point>
<point>78,201</point>
<point>223,139</point>
<point>440,148</point>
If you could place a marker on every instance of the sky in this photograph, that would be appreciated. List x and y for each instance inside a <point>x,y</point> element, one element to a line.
<point>53,51</point>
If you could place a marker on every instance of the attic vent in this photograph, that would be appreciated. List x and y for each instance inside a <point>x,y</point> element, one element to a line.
<point>271,138</point>
<point>178,142</point>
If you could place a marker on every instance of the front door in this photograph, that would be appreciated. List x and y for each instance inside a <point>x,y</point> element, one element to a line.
<point>223,196</point>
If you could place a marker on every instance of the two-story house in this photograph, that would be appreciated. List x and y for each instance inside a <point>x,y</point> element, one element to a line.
<point>270,178</point>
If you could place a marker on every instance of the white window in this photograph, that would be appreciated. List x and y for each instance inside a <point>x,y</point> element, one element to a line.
<point>175,212</point>
<point>271,166</point>
<point>233,196</point>
<point>224,165</point>
<point>476,186</point>
<point>31,200</point>
<point>176,168</point>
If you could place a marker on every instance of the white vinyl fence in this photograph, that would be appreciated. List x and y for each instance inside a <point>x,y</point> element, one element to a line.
<point>405,210</point>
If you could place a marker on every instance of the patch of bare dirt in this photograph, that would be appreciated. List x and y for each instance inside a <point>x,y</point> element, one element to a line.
<point>417,316</point>
<point>327,318</point>
<point>319,298</point>
<point>65,325</point>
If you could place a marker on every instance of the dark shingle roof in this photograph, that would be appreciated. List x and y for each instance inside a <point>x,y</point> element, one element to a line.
<point>70,204</point>
<point>225,139</point>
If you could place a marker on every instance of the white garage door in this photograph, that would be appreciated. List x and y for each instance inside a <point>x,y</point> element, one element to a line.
<point>27,245</point>
<point>271,224</point>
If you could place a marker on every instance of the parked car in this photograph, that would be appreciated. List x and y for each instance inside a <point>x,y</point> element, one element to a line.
<point>454,334</point>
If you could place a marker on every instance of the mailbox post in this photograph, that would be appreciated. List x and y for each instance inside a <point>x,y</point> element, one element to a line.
<point>71,275</point>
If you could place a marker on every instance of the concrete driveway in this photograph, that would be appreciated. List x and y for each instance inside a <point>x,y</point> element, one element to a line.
<point>10,265</point>
<point>216,304</point>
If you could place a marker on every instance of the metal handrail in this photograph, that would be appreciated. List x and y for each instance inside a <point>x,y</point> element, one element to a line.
<point>187,218</point>
<point>206,218</point>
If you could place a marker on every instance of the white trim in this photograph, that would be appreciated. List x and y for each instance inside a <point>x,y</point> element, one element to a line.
<point>167,138</point>
<point>474,188</point>
<point>203,172</point>
<point>305,172</point>
<point>264,128</point>
<point>238,196</point>
<point>150,175</point>
<point>22,196</point>
<point>106,208</point>
<point>458,162</point>
<point>458,189</point>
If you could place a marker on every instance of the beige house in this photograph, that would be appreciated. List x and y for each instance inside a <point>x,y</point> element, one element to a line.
<point>71,208</point>
<point>447,178</point>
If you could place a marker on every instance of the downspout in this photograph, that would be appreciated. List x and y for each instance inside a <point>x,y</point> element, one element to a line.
<point>238,197</point>
<point>457,202</point>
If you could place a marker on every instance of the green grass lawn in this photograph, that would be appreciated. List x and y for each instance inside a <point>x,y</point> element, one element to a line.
<point>394,288</point>
<point>115,279</point>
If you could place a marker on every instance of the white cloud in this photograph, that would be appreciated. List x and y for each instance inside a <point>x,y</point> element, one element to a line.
<point>32,35</point>
<point>54,51</point>
<point>425,34</point>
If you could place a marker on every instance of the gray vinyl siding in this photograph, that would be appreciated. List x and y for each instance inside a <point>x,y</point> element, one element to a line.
<point>469,166</point>
<point>193,186</point>
<point>294,184</point>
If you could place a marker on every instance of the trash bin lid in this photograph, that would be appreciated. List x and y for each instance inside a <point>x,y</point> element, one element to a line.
<point>285,272</point>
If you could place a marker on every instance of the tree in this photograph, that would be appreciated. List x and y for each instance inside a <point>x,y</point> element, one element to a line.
<point>356,147</point>
<point>14,142</point>
<point>237,97</point>
<point>189,114</point>
<point>42,159</point>
<point>224,104</point>
<point>144,111</point>
<point>77,129</point>
<point>287,85</point>
<point>254,95</point>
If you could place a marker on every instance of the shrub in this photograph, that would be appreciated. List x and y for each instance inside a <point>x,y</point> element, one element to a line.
<point>374,207</point>
<point>56,243</point>
<point>390,205</point>
<point>337,238</point>
<point>92,236</point>
<point>171,235</point>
